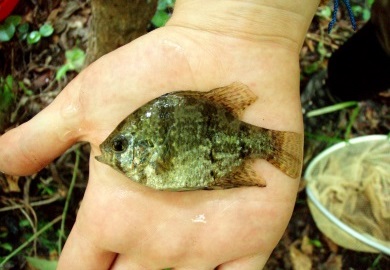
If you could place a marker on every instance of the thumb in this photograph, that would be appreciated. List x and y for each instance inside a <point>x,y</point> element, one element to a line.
<point>253,262</point>
<point>31,146</point>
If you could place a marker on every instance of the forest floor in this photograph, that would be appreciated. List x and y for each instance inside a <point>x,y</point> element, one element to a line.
<point>34,203</point>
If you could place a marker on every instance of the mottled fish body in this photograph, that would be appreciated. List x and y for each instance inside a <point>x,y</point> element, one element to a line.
<point>190,140</point>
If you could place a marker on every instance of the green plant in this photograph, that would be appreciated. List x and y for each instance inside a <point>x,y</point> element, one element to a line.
<point>74,61</point>
<point>23,30</point>
<point>8,28</point>
<point>13,25</point>
<point>42,264</point>
<point>162,14</point>
<point>315,242</point>
<point>354,105</point>
<point>363,10</point>
<point>324,12</point>
<point>45,30</point>
<point>5,245</point>
<point>67,201</point>
<point>332,108</point>
<point>26,91</point>
<point>6,92</point>
<point>48,226</point>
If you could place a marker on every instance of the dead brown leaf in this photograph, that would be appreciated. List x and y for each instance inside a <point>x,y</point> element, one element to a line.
<point>300,261</point>
<point>331,245</point>
<point>306,245</point>
<point>12,183</point>
<point>334,262</point>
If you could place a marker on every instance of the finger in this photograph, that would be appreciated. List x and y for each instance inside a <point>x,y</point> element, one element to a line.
<point>29,147</point>
<point>80,253</point>
<point>254,262</point>
<point>125,261</point>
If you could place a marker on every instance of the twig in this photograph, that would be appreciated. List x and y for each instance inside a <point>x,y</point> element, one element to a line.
<point>69,195</point>
<point>319,39</point>
<point>34,236</point>
<point>37,203</point>
<point>33,225</point>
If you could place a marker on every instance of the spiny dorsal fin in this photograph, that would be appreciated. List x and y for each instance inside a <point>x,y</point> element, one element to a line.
<point>244,175</point>
<point>235,97</point>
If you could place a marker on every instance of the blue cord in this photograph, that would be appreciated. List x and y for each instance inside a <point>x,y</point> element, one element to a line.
<point>334,15</point>
<point>350,13</point>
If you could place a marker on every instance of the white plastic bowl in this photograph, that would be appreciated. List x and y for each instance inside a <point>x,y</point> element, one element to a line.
<point>328,223</point>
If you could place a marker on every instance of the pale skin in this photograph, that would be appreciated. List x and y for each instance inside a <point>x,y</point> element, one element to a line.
<point>206,44</point>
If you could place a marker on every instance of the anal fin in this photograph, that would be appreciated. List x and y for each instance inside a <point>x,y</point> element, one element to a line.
<point>241,176</point>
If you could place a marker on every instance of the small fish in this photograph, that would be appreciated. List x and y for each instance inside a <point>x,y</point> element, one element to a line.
<point>190,140</point>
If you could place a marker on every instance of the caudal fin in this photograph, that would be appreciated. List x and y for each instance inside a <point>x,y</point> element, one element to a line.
<point>287,152</point>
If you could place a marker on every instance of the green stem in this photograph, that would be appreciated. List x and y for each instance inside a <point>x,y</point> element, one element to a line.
<point>68,196</point>
<point>352,120</point>
<point>323,138</point>
<point>34,236</point>
<point>333,108</point>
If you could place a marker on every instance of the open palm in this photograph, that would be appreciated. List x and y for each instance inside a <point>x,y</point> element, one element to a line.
<point>128,226</point>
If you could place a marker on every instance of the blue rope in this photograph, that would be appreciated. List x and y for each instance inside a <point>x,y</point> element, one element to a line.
<point>334,15</point>
<point>350,13</point>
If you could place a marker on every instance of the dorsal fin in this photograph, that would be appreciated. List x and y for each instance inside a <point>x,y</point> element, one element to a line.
<point>235,97</point>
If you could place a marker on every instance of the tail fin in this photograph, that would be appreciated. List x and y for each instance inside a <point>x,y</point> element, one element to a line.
<point>287,152</point>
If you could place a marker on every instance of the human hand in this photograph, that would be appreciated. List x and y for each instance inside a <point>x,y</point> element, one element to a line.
<point>124,225</point>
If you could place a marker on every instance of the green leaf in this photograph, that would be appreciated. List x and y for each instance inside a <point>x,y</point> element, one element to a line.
<point>42,264</point>
<point>61,72</point>
<point>33,37</point>
<point>366,14</point>
<point>6,92</point>
<point>326,12</point>
<point>310,69</point>
<point>9,83</point>
<point>23,28</point>
<point>315,242</point>
<point>24,223</point>
<point>26,91</point>
<point>75,59</point>
<point>160,18</point>
<point>6,246</point>
<point>321,49</point>
<point>14,20</point>
<point>357,10</point>
<point>46,30</point>
<point>7,31</point>
<point>369,3</point>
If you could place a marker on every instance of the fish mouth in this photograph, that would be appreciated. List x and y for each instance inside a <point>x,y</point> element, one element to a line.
<point>100,158</point>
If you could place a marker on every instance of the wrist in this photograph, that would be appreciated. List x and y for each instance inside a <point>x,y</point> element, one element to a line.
<point>279,21</point>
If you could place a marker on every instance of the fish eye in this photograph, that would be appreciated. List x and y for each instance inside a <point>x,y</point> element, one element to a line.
<point>119,144</point>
